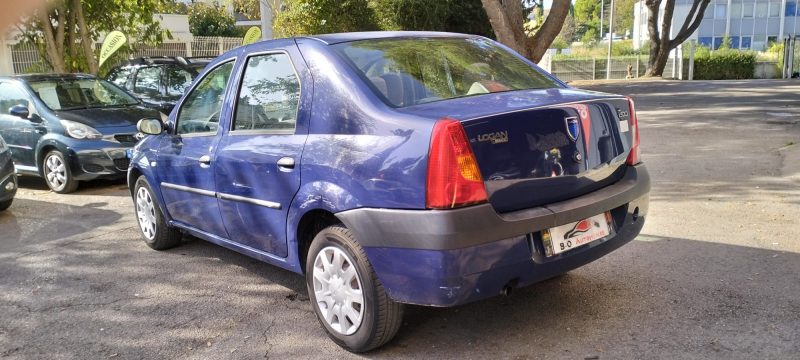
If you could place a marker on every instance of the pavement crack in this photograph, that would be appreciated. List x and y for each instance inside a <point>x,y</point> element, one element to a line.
<point>266,338</point>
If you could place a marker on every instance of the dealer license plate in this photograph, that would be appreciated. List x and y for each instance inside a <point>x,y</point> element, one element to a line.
<point>567,237</point>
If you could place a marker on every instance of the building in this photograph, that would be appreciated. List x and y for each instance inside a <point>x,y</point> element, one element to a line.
<point>750,24</point>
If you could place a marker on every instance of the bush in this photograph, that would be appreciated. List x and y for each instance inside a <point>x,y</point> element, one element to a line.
<point>724,64</point>
<point>211,20</point>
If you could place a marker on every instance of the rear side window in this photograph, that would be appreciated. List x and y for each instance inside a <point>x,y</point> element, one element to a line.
<point>269,94</point>
<point>148,81</point>
<point>411,71</point>
<point>177,80</point>
<point>120,76</point>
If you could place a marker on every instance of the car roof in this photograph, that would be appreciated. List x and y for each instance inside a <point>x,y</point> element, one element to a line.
<point>45,77</point>
<point>183,61</point>
<point>331,39</point>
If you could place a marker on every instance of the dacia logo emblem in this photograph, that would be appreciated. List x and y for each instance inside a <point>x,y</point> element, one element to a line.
<point>573,127</point>
<point>495,137</point>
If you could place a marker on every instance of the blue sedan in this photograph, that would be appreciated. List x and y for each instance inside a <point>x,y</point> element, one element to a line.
<point>392,168</point>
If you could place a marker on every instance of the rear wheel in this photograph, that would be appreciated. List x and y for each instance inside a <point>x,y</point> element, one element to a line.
<point>155,231</point>
<point>348,299</point>
<point>57,174</point>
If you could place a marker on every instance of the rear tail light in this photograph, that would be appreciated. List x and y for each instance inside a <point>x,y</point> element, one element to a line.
<point>634,156</point>
<point>454,179</point>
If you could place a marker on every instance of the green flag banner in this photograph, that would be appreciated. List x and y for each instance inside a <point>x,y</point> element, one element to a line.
<point>114,40</point>
<point>253,34</point>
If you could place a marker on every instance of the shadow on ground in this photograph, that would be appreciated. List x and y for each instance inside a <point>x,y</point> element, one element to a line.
<point>199,300</point>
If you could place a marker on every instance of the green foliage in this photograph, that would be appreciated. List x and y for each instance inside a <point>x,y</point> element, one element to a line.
<point>305,17</point>
<point>724,64</point>
<point>587,18</point>
<point>302,17</point>
<point>212,20</point>
<point>133,17</point>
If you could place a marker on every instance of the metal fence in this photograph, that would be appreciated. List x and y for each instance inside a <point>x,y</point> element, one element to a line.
<point>25,57</point>
<point>569,69</point>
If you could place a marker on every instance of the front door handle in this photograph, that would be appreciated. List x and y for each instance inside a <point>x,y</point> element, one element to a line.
<point>205,160</point>
<point>286,163</point>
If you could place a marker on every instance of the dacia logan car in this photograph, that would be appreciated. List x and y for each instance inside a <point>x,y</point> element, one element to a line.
<point>392,168</point>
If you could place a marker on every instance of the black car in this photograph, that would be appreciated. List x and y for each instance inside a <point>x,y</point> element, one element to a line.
<point>8,177</point>
<point>68,127</point>
<point>158,82</point>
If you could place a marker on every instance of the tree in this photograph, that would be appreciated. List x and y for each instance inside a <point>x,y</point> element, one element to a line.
<point>587,17</point>
<point>623,16</point>
<point>508,19</point>
<point>211,20</point>
<point>304,17</point>
<point>660,42</point>
<point>462,16</point>
<point>68,29</point>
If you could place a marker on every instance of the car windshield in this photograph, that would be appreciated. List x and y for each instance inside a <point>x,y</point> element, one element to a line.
<point>69,94</point>
<point>411,71</point>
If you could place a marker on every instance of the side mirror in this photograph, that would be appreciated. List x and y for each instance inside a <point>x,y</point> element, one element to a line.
<point>20,111</point>
<point>150,126</point>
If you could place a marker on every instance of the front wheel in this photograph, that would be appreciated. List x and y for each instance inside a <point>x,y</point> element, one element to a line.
<point>348,299</point>
<point>157,234</point>
<point>57,173</point>
<point>5,204</point>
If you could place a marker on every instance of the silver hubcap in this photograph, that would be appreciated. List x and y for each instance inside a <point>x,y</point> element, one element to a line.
<point>146,212</point>
<point>55,172</point>
<point>337,289</point>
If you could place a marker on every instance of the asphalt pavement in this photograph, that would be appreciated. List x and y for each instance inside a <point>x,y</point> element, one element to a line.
<point>715,273</point>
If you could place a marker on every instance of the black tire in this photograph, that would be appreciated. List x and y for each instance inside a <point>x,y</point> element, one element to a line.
<point>5,204</point>
<point>381,317</point>
<point>69,184</point>
<point>159,235</point>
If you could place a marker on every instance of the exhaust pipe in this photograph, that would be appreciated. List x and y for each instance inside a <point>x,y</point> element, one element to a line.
<point>508,287</point>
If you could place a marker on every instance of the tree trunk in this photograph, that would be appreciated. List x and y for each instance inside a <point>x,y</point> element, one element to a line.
<point>86,39</point>
<point>538,44</point>
<point>660,42</point>
<point>55,58</point>
<point>507,22</point>
<point>507,19</point>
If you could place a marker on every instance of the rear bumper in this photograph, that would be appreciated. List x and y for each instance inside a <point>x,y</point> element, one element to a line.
<point>451,257</point>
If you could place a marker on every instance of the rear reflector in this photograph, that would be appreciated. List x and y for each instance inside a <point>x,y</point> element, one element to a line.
<point>634,156</point>
<point>454,179</point>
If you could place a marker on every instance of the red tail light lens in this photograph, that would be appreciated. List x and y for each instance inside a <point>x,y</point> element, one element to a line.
<point>454,179</point>
<point>634,156</point>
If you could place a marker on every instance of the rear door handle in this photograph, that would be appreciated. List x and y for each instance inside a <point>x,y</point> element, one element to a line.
<point>205,160</point>
<point>286,163</point>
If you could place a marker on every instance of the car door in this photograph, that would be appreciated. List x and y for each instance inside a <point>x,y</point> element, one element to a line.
<point>20,134</point>
<point>186,153</point>
<point>257,162</point>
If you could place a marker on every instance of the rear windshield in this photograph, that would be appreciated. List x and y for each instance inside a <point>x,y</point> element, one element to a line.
<point>410,71</point>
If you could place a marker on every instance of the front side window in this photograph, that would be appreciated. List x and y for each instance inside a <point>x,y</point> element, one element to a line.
<point>148,81</point>
<point>200,111</point>
<point>10,96</point>
<point>75,93</point>
<point>177,80</point>
<point>269,95</point>
<point>408,72</point>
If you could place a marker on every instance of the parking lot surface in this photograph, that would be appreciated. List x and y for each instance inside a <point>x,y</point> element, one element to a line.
<point>713,275</point>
